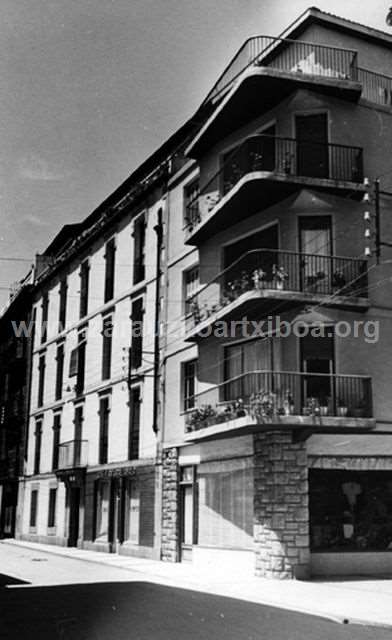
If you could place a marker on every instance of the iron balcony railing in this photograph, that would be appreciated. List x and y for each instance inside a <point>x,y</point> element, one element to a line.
<point>376,87</point>
<point>73,454</point>
<point>286,55</point>
<point>280,156</point>
<point>265,269</point>
<point>264,396</point>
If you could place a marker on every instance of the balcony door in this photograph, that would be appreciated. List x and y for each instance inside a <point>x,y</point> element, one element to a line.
<point>315,241</point>
<point>245,254</point>
<point>318,361</point>
<point>312,145</point>
<point>246,368</point>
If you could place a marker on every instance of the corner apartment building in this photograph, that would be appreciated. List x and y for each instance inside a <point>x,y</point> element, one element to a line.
<point>277,447</point>
<point>14,399</point>
<point>91,477</point>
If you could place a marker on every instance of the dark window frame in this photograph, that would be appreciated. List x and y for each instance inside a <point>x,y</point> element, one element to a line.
<point>37,446</point>
<point>33,508</point>
<point>186,397</point>
<point>63,304</point>
<point>107,344</point>
<point>84,275</point>
<point>134,422</point>
<point>104,412</point>
<point>60,357</point>
<point>110,269</point>
<point>52,507</point>
<point>41,379</point>
<point>139,247</point>
<point>56,440</point>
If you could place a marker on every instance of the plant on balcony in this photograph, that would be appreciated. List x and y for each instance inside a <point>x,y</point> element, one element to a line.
<point>258,276</point>
<point>262,405</point>
<point>288,404</point>
<point>195,311</point>
<point>279,276</point>
<point>201,417</point>
<point>342,408</point>
<point>313,280</point>
<point>338,279</point>
<point>323,407</point>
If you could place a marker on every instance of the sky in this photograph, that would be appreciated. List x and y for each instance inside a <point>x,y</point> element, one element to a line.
<point>89,88</point>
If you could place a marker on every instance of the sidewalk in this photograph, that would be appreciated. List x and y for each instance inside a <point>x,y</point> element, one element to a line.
<point>355,601</point>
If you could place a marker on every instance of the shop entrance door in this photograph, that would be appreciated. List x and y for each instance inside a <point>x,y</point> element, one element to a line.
<point>74,507</point>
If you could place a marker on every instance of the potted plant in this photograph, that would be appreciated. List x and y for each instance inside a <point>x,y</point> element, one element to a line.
<point>262,405</point>
<point>338,279</point>
<point>342,408</point>
<point>279,276</point>
<point>288,404</point>
<point>313,281</point>
<point>323,406</point>
<point>258,276</point>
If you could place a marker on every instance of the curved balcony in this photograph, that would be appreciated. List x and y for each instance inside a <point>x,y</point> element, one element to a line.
<point>266,70</point>
<point>263,276</point>
<point>264,170</point>
<point>317,403</point>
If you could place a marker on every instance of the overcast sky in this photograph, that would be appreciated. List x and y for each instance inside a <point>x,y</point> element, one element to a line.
<point>89,88</point>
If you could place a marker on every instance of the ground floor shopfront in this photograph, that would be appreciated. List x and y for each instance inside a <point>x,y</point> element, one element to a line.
<point>8,503</point>
<point>111,509</point>
<point>277,507</point>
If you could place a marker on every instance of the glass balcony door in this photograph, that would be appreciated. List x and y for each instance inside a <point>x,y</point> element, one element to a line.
<point>318,357</point>
<point>315,240</point>
<point>312,145</point>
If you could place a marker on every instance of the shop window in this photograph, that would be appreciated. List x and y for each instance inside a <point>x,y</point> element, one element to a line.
<point>139,522</point>
<point>225,509</point>
<point>350,510</point>
<point>102,497</point>
<point>52,507</point>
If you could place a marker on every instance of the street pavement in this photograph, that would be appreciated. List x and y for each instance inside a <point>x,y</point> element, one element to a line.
<point>84,598</point>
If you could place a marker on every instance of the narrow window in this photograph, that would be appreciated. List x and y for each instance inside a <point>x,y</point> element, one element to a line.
<point>41,380</point>
<point>77,449</point>
<point>38,443</point>
<point>63,304</point>
<point>189,372</point>
<point>56,440</point>
<point>59,371</point>
<point>139,236</point>
<point>107,333</point>
<point>33,508</point>
<point>110,252</point>
<point>134,424</point>
<point>84,285</point>
<point>191,285</point>
<point>45,312</point>
<point>191,202</point>
<point>137,333</point>
<point>103,430</point>
<point>81,362</point>
<point>52,507</point>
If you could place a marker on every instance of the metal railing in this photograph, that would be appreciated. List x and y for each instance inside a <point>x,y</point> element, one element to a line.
<point>377,87</point>
<point>265,395</point>
<point>281,156</point>
<point>286,55</point>
<point>266,269</point>
<point>73,454</point>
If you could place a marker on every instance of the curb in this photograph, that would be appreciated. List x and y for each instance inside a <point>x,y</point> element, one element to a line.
<point>157,578</point>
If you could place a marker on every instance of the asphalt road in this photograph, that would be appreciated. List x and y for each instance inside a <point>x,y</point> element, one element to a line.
<point>69,599</point>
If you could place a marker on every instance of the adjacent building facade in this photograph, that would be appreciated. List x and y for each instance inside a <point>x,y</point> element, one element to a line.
<point>210,370</point>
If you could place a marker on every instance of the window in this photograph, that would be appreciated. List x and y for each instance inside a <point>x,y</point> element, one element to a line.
<point>103,430</point>
<point>37,449</point>
<point>81,362</point>
<point>59,371</point>
<point>191,285</point>
<point>189,373</point>
<point>52,507</point>
<point>45,312</point>
<point>110,253</point>
<point>139,240</point>
<point>137,333</point>
<point>78,422</point>
<point>41,380</point>
<point>102,494</point>
<point>107,334</point>
<point>63,304</point>
<point>33,508</point>
<point>191,202</point>
<point>56,440</point>
<point>84,282</point>
<point>188,528</point>
<point>134,424</point>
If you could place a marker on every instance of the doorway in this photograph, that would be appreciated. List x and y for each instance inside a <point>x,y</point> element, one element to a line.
<point>315,240</point>
<point>74,507</point>
<point>318,360</point>
<point>312,145</point>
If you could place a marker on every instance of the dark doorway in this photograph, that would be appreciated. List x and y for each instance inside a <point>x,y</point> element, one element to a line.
<point>312,145</point>
<point>74,506</point>
<point>318,357</point>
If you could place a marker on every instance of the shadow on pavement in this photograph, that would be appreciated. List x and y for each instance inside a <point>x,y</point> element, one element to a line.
<point>145,611</point>
<point>5,580</point>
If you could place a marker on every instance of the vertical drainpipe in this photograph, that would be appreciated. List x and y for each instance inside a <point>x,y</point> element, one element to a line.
<point>159,231</point>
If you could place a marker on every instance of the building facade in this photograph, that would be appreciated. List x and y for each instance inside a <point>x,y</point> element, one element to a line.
<point>276,453</point>
<point>14,398</point>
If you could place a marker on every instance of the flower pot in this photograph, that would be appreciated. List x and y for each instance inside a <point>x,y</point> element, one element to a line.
<point>323,411</point>
<point>279,285</point>
<point>342,411</point>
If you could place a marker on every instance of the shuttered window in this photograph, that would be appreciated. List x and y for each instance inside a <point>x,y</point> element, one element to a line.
<point>84,287</point>
<point>37,449</point>
<point>139,510</point>
<point>56,440</point>
<point>137,333</point>
<point>52,507</point>
<point>41,380</point>
<point>134,424</point>
<point>225,517</point>
<point>139,240</point>
<point>33,508</point>
<point>103,430</point>
<point>110,253</point>
<point>107,332</point>
<point>81,362</point>
<point>63,304</point>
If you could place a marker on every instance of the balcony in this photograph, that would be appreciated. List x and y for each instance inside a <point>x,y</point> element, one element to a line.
<point>266,70</point>
<point>316,403</point>
<point>73,454</point>
<point>264,170</point>
<point>261,276</point>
